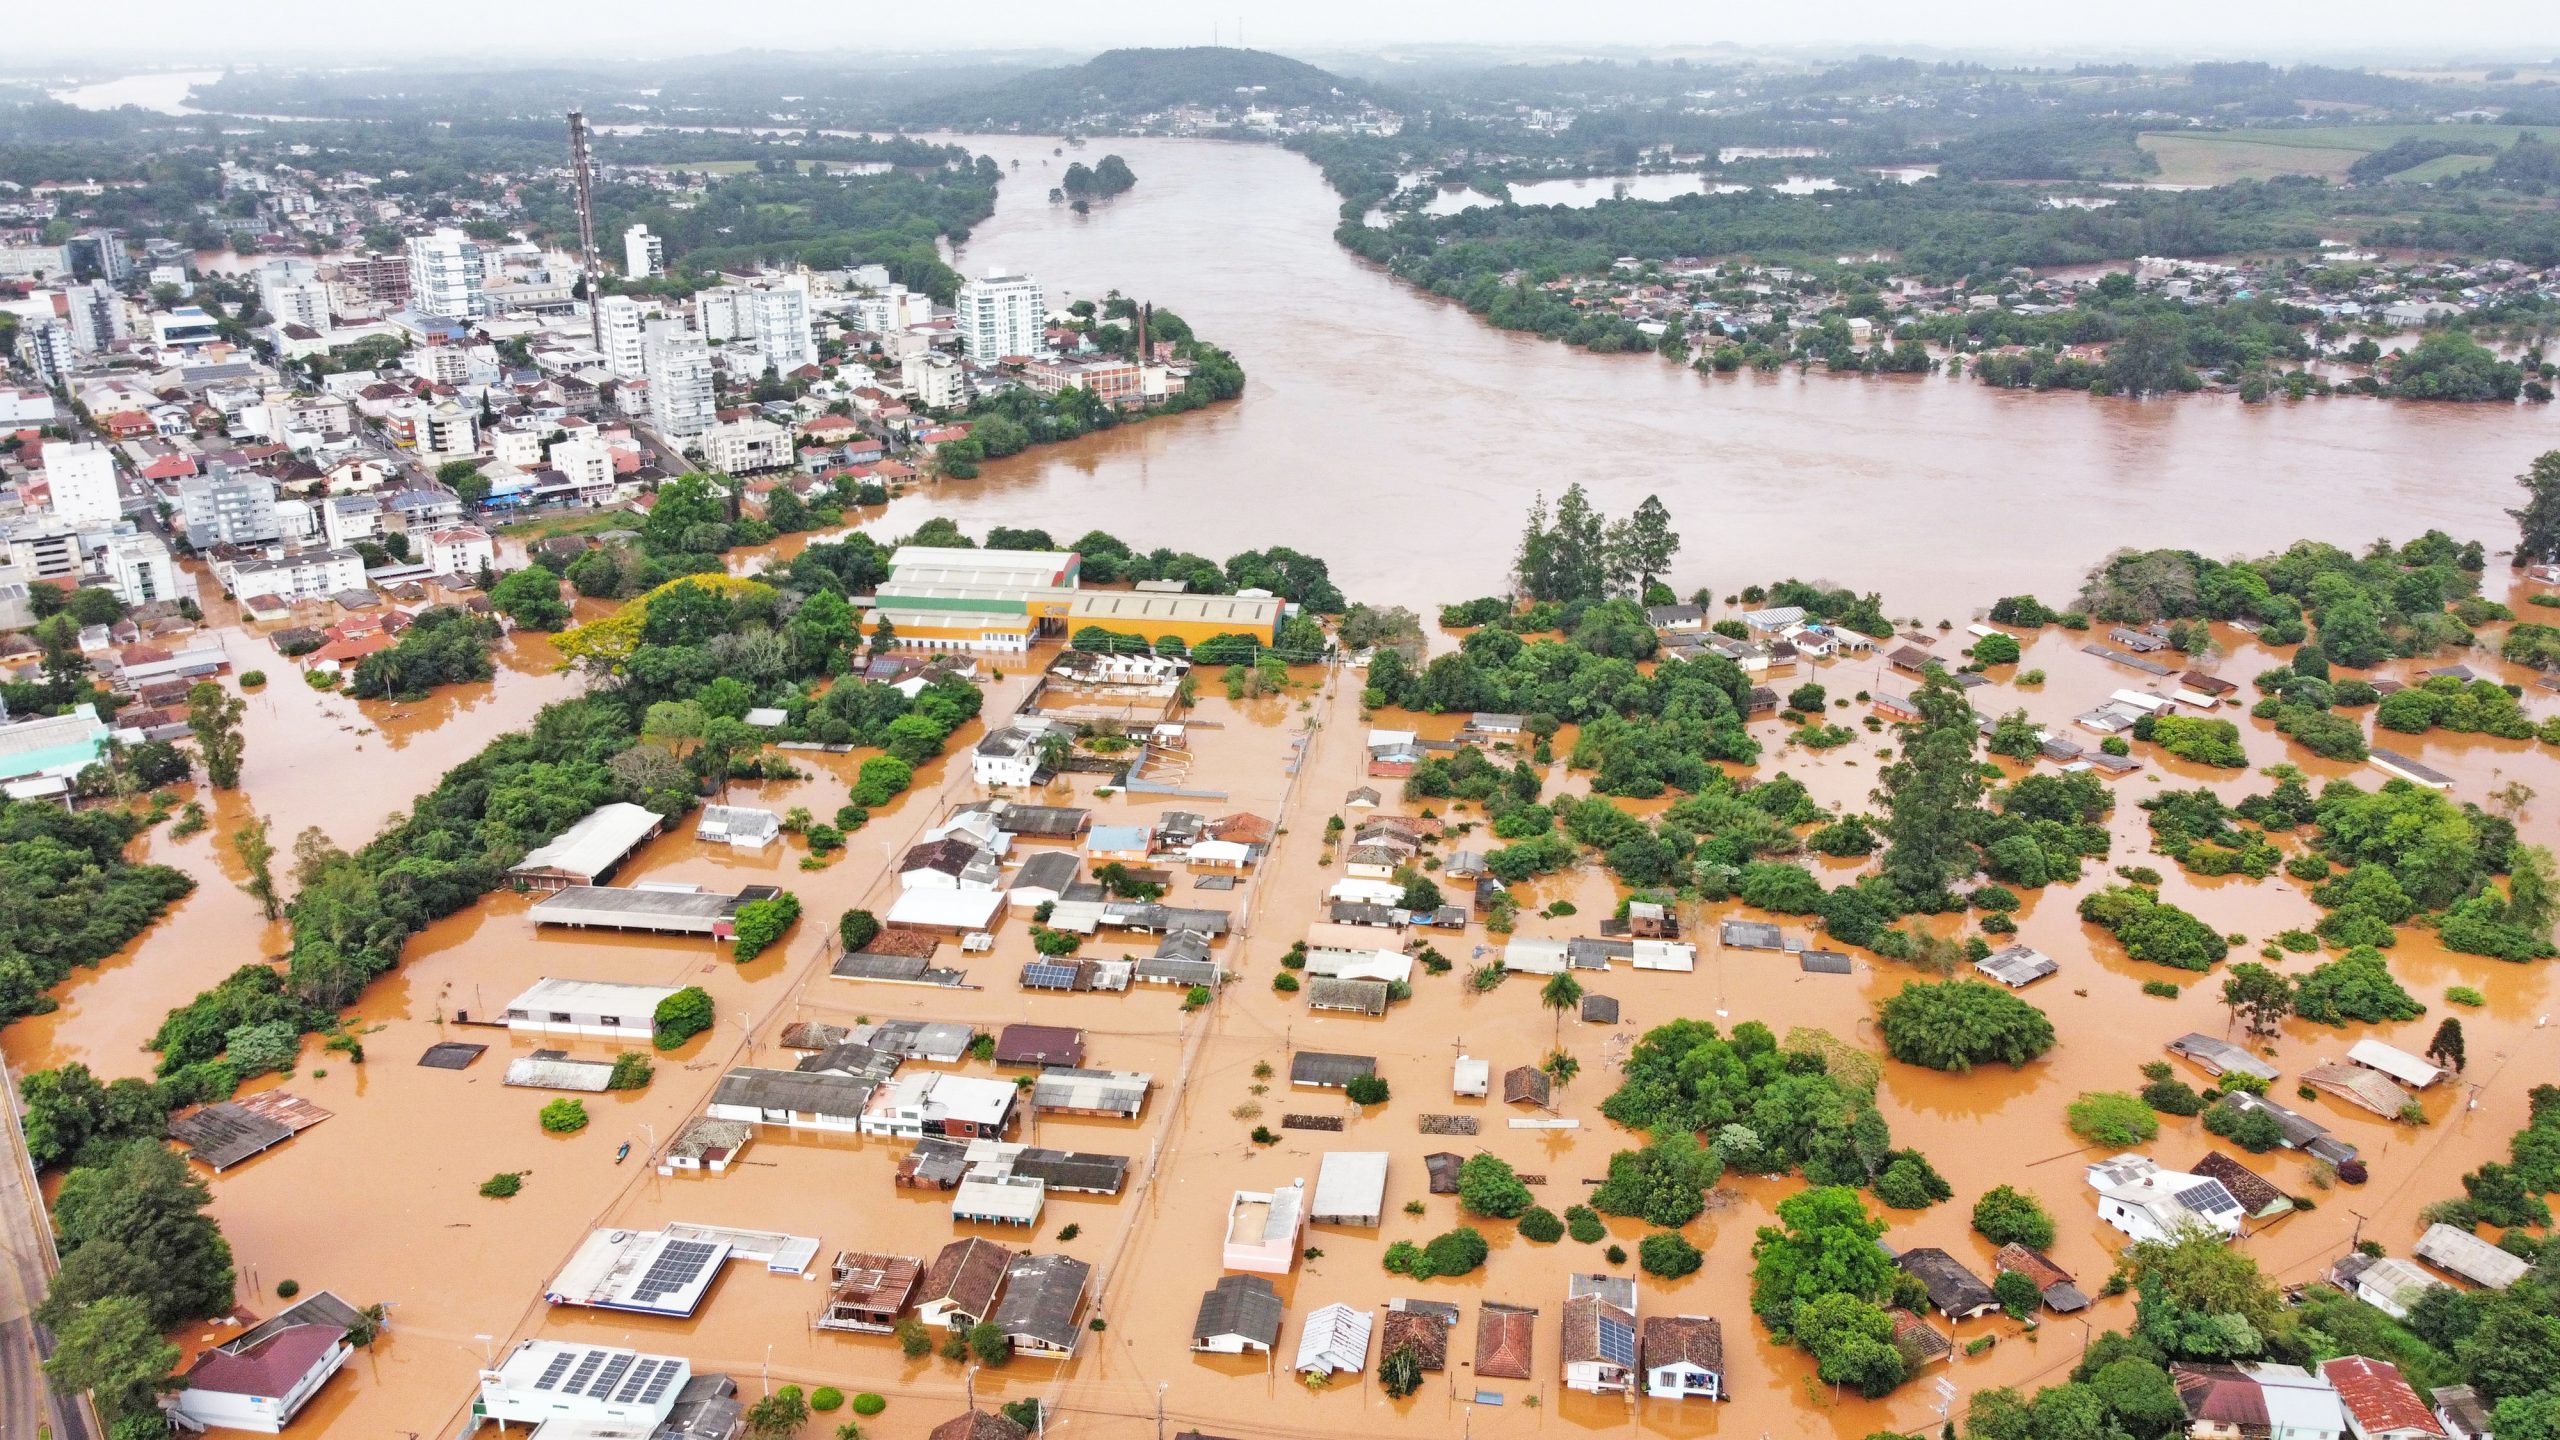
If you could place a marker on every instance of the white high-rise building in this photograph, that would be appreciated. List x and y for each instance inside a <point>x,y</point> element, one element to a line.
<point>97,316</point>
<point>1001,313</point>
<point>49,350</point>
<point>935,379</point>
<point>284,291</point>
<point>139,568</point>
<point>585,459</point>
<point>221,507</point>
<point>678,362</point>
<point>782,325</point>
<point>643,254</point>
<point>83,479</point>
<point>446,273</point>
<point>725,312</point>
<point>622,335</point>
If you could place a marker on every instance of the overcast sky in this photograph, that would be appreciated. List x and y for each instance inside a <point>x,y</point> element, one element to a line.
<point>169,32</point>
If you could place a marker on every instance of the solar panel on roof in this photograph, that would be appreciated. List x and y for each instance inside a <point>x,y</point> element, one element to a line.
<point>676,1266</point>
<point>1054,977</point>
<point>587,1363</point>
<point>637,1380</point>
<point>552,1372</point>
<point>1617,1343</point>
<point>658,1383</point>
<point>2209,1198</point>
<point>613,1371</point>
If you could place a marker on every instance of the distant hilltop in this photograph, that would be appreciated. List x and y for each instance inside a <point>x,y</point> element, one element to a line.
<point>1134,82</point>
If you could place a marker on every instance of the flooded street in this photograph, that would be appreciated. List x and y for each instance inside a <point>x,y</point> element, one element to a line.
<point>1400,439</point>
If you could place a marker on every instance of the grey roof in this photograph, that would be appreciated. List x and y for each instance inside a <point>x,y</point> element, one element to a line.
<point>2470,1257</point>
<point>2220,1056</point>
<point>1073,1170</point>
<point>1245,1305</point>
<point>1047,870</point>
<point>2015,965</point>
<point>1952,1287</point>
<point>596,843</point>
<point>1600,1009</point>
<point>2300,1131</point>
<point>1750,935</point>
<point>554,1070</point>
<point>1168,971</point>
<point>1316,1067</point>
<point>1041,1296</point>
<point>1823,962</point>
<point>1364,997</point>
<point>225,1134</point>
<point>793,1091</point>
<point>861,965</point>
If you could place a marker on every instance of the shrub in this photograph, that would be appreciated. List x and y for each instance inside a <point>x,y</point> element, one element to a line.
<point>631,1071</point>
<point>564,1117</point>
<point>1285,983</point>
<point>2355,986</point>
<point>1367,1090</point>
<point>1541,1225</point>
<point>1488,1186</point>
<point>2018,1295</point>
<point>826,1398</point>
<point>1668,1255</point>
<point>681,1016</point>
<point>504,1185</point>
<point>1584,1224</point>
<point>2173,1097</point>
<point>252,679</point>
<point>1615,1254</point>
<point>2163,989</point>
<point>287,1289</point>
<point>868,1404</point>
<point>759,923</point>
<point>2113,1119</point>
<point>2008,1216</point>
<point>2253,1130</point>
<point>856,929</point>
<point>1909,1182</point>
<point>2465,995</point>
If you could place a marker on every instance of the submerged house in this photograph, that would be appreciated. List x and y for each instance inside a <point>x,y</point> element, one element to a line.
<point>2060,1293</point>
<point>262,1377</point>
<point>1599,1340</point>
<point>1683,1358</point>
<point>1958,1293</point>
<point>1262,1229</point>
<point>1336,1341</point>
<point>1043,1304</point>
<point>1240,1313</point>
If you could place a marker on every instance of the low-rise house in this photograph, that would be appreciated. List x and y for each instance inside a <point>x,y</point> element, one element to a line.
<point>1420,1328</point>
<point>2017,965</point>
<point>2462,1254</point>
<point>2358,1086</point>
<point>2146,1202</point>
<point>979,1425</point>
<point>1335,1341</point>
<point>1471,1078</point>
<point>791,1098</point>
<point>738,827</point>
<point>1504,1338</point>
<point>2220,1057</point>
<point>1351,1188</point>
<point>1683,1357</point>
<point>588,851</point>
<point>1958,1293</point>
<point>261,1378</point>
<point>2394,1062</point>
<point>1354,997</point>
<point>936,1102</point>
<point>866,1292</point>
<point>2301,1132</point>
<point>1047,1047</point>
<point>950,863</point>
<point>2387,1283</point>
<point>602,1008</point>
<point>1043,879</point>
<point>1526,1085</point>
<point>1319,1070</point>
<point>2060,1293</point>
<point>2257,1195</point>
<point>1240,1313</point>
<point>2277,1402</point>
<point>962,1282</point>
<point>1599,1341</point>
<point>706,1144</point>
<point>2464,1415</point>
<point>1111,1094</point>
<point>1262,1229</point>
<point>1043,1307</point>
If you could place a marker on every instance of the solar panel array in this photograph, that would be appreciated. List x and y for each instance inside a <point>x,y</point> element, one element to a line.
<point>587,1365</point>
<point>558,1367</point>
<point>2209,1198</point>
<point>1617,1342</point>
<point>1049,977</point>
<point>678,1265</point>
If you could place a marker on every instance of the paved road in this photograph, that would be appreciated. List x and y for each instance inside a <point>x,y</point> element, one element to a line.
<point>28,1407</point>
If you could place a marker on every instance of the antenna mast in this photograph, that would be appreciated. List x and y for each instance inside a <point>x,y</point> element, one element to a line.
<point>582,160</point>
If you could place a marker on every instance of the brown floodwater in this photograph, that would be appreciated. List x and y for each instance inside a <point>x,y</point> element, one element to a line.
<point>1871,483</point>
<point>1401,438</point>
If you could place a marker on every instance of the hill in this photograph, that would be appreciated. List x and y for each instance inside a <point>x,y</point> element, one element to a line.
<point>1133,82</point>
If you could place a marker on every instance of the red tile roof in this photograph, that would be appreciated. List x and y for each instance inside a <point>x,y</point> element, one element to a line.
<point>1502,1342</point>
<point>2380,1401</point>
<point>270,1368</point>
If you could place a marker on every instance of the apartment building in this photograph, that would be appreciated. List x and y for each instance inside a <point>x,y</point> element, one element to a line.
<point>83,479</point>
<point>678,363</point>
<point>447,275</point>
<point>220,507</point>
<point>643,254</point>
<point>1001,313</point>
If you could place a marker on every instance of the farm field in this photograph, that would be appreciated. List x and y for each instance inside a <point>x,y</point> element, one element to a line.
<point>2218,157</point>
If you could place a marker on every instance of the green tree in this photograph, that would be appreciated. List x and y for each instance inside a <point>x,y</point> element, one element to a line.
<point>2149,359</point>
<point>1561,993</point>
<point>1488,1186</point>
<point>681,1016</point>
<point>1957,1024</point>
<point>1647,544</point>
<point>214,715</point>
<point>112,1349</point>
<point>255,852</point>
<point>1932,792</point>
<point>778,1416</point>
<point>2199,1299</point>
<point>1823,1244</point>
<point>531,598</point>
<point>1665,1182</point>
<point>2446,1048</point>
<point>2258,997</point>
<point>1668,1255</point>
<point>991,1345</point>
<point>134,1225</point>
<point>1400,1372</point>
<point>2112,1119</point>
<point>2008,1216</point>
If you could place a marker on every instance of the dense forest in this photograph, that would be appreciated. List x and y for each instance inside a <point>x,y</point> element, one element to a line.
<point>1133,82</point>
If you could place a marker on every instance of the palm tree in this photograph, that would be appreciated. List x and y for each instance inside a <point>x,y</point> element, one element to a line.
<point>1561,1068</point>
<point>1562,993</point>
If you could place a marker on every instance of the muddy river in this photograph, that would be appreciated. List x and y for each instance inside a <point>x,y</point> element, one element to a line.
<point>1402,409</point>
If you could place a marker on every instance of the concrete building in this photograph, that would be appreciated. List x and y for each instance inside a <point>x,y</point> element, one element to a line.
<point>678,364</point>
<point>83,479</point>
<point>782,329</point>
<point>221,507</point>
<point>97,316</point>
<point>290,290</point>
<point>309,575</point>
<point>643,254</point>
<point>48,350</point>
<point>447,275</point>
<point>261,1378</point>
<point>937,381</point>
<point>138,567</point>
<point>600,1008</point>
<point>1001,313</point>
<point>584,1389</point>
<point>623,337</point>
<point>461,550</point>
<point>742,446</point>
<point>41,756</point>
<point>585,461</point>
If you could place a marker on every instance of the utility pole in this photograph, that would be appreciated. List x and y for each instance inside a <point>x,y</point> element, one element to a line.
<point>1161,1387</point>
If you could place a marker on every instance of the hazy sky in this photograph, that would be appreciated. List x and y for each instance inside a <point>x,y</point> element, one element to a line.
<point>169,32</point>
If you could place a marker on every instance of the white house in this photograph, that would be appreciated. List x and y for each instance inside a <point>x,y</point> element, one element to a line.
<point>1336,1341</point>
<point>792,1098</point>
<point>1262,1229</point>
<point>261,1378</point>
<point>1010,754</point>
<point>1683,1358</point>
<point>603,1008</point>
<point>738,827</point>
<point>2146,1202</point>
<point>1600,1334</point>
<point>460,550</point>
<point>590,1389</point>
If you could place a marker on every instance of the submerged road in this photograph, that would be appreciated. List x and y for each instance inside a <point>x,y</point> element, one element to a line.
<point>28,1406</point>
